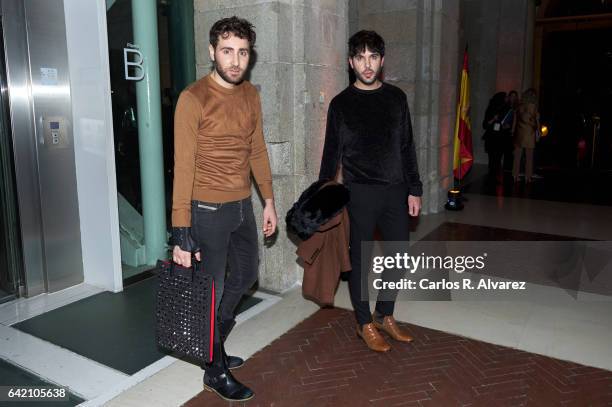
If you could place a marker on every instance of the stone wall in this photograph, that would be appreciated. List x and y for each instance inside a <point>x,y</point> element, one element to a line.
<point>450,62</point>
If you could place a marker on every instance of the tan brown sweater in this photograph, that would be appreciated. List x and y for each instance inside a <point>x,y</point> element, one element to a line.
<point>218,141</point>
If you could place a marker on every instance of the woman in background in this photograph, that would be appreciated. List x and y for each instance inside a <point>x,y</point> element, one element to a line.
<point>526,124</point>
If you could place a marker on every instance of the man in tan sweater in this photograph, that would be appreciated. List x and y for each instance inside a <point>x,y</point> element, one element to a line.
<point>218,143</point>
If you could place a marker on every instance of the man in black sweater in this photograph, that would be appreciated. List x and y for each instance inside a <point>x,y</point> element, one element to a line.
<point>369,144</point>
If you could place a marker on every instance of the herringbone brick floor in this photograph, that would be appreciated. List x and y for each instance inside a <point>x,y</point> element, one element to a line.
<point>321,362</point>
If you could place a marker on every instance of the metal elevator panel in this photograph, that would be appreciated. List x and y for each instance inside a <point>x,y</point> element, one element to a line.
<point>41,117</point>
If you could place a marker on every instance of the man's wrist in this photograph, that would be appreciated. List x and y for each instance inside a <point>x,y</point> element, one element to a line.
<point>269,202</point>
<point>181,237</point>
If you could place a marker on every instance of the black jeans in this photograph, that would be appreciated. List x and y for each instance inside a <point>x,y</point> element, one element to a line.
<point>500,147</point>
<point>371,206</point>
<point>227,235</point>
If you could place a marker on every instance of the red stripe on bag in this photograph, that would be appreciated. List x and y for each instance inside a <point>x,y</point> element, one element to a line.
<point>212,321</point>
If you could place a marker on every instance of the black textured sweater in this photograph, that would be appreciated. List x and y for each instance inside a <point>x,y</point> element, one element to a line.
<point>370,134</point>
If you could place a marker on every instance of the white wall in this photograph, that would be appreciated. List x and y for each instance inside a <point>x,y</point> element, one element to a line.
<point>93,141</point>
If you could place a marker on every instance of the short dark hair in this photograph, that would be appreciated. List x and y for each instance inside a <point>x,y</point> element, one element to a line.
<point>364,38</point>
<point>239,27</point>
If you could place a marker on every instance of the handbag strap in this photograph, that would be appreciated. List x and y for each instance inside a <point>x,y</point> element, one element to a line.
<point>195,267</point>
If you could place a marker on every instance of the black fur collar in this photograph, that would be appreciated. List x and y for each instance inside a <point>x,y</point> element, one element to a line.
<point>319,203</point>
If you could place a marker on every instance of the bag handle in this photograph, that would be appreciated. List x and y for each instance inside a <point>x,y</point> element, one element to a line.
<point>195,266</point>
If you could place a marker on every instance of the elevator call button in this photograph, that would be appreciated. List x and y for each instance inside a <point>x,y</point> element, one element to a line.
<point>54,132</point>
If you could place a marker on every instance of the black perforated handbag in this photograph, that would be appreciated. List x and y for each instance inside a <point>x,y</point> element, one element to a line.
<point>185,311</point>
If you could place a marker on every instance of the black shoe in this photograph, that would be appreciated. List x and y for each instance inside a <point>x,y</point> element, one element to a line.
<point>233,362</point>
<point>227,387</point>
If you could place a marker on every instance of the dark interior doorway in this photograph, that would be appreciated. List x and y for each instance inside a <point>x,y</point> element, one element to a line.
<point>576,100</point>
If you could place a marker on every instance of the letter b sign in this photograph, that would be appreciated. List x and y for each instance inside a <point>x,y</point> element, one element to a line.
<point>139,71</point>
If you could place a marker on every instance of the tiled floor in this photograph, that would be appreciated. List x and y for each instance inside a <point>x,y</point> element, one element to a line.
<point>575,329</point>
<point>570,185</point>
<point>551,329</point>
<point>321,362</point>
<point>5,296</point>
<point>11,374</point>
<point>454,231</point>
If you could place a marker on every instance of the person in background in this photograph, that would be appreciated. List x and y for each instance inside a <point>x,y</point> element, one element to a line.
<point>494,136</point>
<point>526,123</point>
<point>507,124</point>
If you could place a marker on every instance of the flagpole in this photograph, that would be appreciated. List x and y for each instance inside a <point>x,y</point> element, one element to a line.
<point>462,133</point>
<point>460,162</point>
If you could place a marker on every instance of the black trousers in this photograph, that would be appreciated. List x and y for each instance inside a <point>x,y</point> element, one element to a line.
<point>227,235</point>
<point>500,147</point>
<point>371,206</point>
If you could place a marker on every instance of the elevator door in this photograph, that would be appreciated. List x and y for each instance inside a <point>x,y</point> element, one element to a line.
<point>11,269</point>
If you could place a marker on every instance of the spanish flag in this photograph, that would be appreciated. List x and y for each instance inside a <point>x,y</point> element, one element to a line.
<point>463,129</point>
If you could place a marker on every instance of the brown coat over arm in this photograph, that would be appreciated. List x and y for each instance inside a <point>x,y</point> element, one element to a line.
<point>325,256</point>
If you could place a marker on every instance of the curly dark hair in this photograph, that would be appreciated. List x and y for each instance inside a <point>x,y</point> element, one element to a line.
<point>364,38</point>
<point>239,27</point>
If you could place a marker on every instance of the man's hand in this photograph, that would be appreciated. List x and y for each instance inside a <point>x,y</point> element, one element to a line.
<point>183,258</point>
<point>414,205</point>
<point>269,218</point>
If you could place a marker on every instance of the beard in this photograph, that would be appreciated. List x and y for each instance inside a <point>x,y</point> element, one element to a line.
<point>226,77</point>
<point>365,80</point>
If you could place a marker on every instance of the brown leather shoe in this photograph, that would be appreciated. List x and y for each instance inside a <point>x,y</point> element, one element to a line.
<point>391,327</point>
<point>373,338</point>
